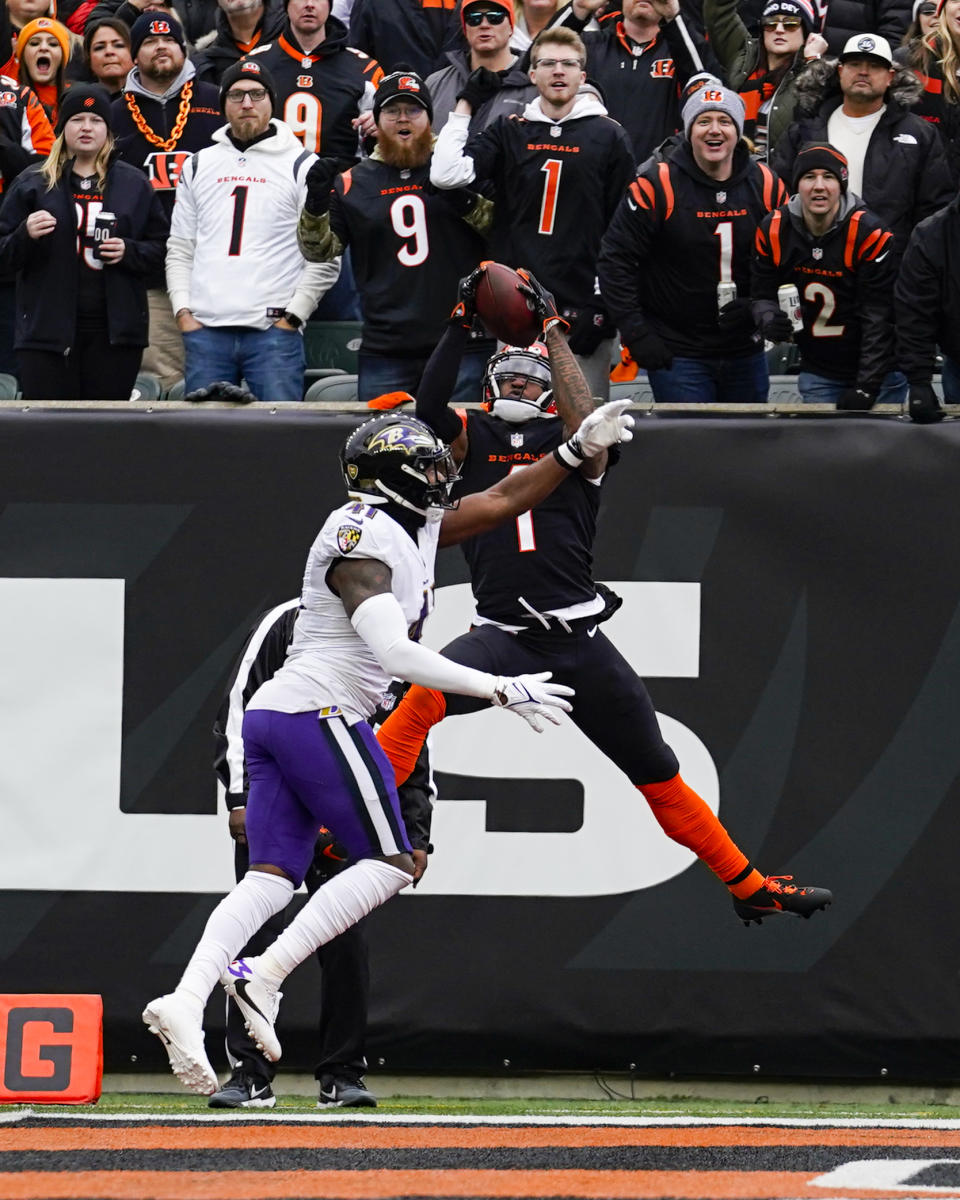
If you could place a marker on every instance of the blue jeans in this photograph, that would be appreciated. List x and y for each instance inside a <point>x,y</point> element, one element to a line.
<point>379,373</point>
<point>950,378</point>
<point>712,381</point>
<point>818,389</point>
<point>270,360</point>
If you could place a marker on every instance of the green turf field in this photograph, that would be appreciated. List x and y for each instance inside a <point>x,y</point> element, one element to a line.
<point>163,1103</point>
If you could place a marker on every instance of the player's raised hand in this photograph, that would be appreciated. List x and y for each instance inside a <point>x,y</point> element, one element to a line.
<point>465,308</point>
<point>532,697</point>
<point>606,426</point>
<point>544,305</point>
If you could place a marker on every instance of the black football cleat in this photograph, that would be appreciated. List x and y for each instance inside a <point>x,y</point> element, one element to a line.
<point>779,895</point>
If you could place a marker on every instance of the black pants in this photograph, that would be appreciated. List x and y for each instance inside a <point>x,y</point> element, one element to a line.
<point>93,370</point>
<point>344,990</point>
<point>611,705</point>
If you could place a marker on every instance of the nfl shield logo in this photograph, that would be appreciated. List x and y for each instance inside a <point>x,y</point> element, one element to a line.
<point>347,537</point>
<point>721,196</point>
<point>818,252</point>
<point>555,131</point>
<point>516,440</point>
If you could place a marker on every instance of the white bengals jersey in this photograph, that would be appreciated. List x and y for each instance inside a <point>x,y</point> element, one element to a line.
<point>233,257</point>
<point>328,663</point>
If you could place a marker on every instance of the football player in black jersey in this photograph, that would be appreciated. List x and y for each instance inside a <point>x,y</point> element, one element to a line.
<point>828,243</point>
<point>557,175</point>
<point>674,266</point>
<point>410,244</point>
<point>537,601</point>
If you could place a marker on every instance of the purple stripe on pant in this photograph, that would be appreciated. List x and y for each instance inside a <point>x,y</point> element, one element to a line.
<point>305,772</point>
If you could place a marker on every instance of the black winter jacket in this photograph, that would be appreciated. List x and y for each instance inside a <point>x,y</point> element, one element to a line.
<point>48,268</point>
<point>927,295</point>
<point>197,17</point>
<point>889,18</point>
<point>212,56</point>
<point>906,175</point>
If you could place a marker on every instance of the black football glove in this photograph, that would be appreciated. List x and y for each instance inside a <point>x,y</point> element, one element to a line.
<point>465,308</point>
<point>856,399</point>
<point>544,305</point>
<point>320,179</point>
<point>737,317</point>
<point>590,327</point>
<point>924,404</point>
<point>649,351</point>
<point>481,85</point>
<point>776,327</point>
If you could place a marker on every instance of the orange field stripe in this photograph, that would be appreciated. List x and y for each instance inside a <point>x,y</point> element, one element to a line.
<point>373,1185</point>
<point>258,1137</point>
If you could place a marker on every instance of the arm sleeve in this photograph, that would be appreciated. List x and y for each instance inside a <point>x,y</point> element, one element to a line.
<point>683,49</point>
<point>182,241</point>
<point>620,262</point>
<point>416,801</point>
<point>379,620</point>
<point>728,35</point>
<point>916,297</point>
<point>450,167</point>
<point>15,242</point>
<point>764,274</point>
<point>935,183</point>
<point>437,384</point>
<point>145,254</point>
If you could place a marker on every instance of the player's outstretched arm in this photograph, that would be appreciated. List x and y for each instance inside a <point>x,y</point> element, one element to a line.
<point>521,490</point>
<point>364,588</point>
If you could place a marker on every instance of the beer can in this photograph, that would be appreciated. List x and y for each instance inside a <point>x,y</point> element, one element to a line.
<point>104,226</point>
<point>789,300</point>
<point>726,292</point>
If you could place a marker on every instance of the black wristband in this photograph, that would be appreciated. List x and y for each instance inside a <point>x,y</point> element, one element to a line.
<point>567,466</point>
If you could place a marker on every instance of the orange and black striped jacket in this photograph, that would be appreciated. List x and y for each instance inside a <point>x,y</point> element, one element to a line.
<point>675,237</point>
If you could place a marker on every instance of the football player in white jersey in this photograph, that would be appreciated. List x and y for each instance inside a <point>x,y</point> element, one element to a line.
<point>312,758</point>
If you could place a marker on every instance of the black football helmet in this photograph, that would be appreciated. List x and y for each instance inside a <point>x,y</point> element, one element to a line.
<point>502,393</point>
<point>397,457</point>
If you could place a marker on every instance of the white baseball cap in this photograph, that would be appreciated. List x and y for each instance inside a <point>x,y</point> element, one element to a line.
<point>868,45</point>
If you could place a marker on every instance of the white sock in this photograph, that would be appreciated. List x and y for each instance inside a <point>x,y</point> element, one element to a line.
<point>340,903</point>
<point>238,916</point>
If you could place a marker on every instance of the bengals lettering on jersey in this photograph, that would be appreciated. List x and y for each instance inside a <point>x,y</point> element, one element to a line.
<point>845,279</point>
<point>677,235</point>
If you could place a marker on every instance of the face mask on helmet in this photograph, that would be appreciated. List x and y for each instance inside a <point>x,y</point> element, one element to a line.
<point>516,387</point>
<point>401,459</point>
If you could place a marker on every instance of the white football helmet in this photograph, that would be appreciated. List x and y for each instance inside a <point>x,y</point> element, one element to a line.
<point>516,386</point>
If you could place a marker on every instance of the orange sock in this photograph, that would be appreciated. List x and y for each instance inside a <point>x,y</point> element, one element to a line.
<point>403,733</point>
<point>685,817</point>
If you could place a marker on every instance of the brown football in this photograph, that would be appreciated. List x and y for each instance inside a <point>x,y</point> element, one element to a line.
<point>506,312</point>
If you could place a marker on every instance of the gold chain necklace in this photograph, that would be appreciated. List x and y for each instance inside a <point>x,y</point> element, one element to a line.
<point>178,126</point>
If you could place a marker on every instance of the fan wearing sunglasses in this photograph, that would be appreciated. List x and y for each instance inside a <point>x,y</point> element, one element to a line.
<point>487,70</point>
<point>764,69</point>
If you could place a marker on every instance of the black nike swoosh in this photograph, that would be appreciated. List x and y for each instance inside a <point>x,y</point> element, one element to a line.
<point>241,987</point>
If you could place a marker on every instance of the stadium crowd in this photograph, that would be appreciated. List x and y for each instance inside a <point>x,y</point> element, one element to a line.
<point>705,186</point>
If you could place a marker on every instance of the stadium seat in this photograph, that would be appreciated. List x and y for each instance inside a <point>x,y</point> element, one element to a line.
<point>9,388</point>
<point>146,386</point>
<point>336,389</point>
<point>783,390</point>
<point>175,391</point>
<point>332,344</point>
<point>636,390</point>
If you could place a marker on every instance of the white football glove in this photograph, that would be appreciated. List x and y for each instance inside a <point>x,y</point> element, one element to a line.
<point>606,426</point>
<point>532,697</point>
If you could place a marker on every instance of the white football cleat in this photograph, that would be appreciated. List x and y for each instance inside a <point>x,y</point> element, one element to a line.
<point>258,1001</point>
<point>176,1025</point>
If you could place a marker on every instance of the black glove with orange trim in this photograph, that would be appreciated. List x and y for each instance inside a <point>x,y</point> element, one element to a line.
<point>544,305</point>
<point>465,308</point>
